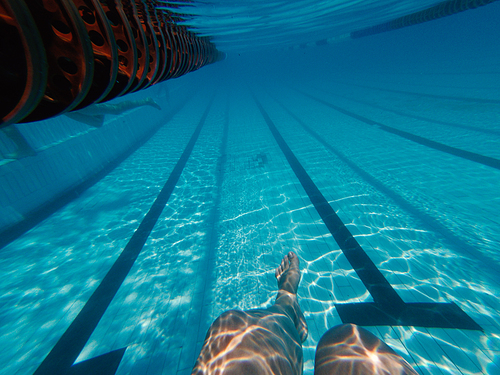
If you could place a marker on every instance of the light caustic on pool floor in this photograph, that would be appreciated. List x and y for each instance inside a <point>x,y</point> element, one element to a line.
<point>236,209</point>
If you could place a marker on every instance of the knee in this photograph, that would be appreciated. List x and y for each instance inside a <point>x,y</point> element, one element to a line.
<point>338,342</point>
<point>231,320</point>
<point>339,334</point>
<point>349,341</point>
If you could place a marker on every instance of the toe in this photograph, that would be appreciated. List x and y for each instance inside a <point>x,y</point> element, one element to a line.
<point>294,260</point>
<point>284,264</point>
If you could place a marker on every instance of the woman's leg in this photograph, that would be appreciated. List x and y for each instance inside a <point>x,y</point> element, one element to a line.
<point>263,341</point>
<point>349,349</point>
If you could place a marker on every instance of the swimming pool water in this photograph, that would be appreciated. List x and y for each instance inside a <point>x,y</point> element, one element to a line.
<point>404,155</point>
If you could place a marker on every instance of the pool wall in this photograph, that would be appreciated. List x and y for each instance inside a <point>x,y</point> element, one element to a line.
<point>74,157</point>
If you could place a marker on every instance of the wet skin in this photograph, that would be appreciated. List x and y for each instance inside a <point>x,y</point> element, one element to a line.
<point>349,349</point>
<point>269,341</point>
<point>261,341</point>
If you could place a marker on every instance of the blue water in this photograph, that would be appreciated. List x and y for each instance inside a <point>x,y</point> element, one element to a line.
<point>399,132</point>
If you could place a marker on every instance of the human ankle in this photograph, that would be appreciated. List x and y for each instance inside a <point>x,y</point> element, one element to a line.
<point>285,296</point>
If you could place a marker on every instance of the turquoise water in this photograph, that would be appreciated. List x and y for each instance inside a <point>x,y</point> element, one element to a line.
<point>399,132</point>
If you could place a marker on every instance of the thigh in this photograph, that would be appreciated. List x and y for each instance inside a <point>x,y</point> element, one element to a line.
<point>247,342</point>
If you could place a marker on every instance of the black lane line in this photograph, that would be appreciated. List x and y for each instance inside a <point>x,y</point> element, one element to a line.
<point>72,342</point>
<point>40,214</point>
<point>388,308</point>
<point>471,156</point>
<point>434,96</point>
<point>105,364</point>
<point>416,117</point>
<point>425,219</point>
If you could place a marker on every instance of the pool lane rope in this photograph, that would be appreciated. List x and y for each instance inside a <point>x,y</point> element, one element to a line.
<point>444,9</point>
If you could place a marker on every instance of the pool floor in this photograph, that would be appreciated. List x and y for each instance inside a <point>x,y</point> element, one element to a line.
<point>411,175</point>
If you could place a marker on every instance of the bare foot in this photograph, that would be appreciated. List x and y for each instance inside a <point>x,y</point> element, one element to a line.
<point>288,273</point>
<point>288,276</point>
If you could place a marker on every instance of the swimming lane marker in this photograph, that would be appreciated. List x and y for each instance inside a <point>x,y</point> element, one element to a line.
<point>62,356</point>
<point>388,309</point>
<point>467,155</point>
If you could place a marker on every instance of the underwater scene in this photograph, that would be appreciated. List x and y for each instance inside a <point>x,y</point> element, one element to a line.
<point>362,136</point>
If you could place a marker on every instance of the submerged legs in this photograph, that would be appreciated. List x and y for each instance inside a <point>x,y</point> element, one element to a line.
<point>262,341</point>
<point>269,341</point>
